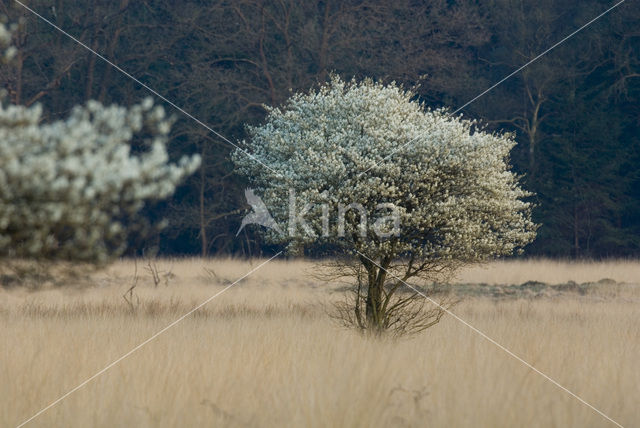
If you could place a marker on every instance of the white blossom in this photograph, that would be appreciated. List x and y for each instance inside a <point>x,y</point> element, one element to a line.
<point>69,188</point>
<point>449,179</point>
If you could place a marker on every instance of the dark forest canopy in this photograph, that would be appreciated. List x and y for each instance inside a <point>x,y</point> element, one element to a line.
<point>576,111</point>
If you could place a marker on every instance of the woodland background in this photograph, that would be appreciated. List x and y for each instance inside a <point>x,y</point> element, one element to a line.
<point>575,112</point>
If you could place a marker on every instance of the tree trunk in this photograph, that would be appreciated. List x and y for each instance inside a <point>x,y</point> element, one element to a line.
<point>533,133</point>
<point>576,233</point>
<point>203,220</point>
<point>376,277</point>
<point>324,44</point>
<point>374,305</point>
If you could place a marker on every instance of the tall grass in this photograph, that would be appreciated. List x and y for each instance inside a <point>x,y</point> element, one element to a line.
<point>266,354</point>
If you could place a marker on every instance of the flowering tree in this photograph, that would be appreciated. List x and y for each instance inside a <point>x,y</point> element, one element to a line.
<point>439,187</point>
<point>68,188</point>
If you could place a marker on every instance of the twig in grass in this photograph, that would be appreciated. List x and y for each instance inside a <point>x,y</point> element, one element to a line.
<point>158,276</point>
<point>129,295</point>
<point>214,275</point>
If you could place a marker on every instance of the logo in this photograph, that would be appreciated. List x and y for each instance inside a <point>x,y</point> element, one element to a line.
<point>384,227</point>
<point>260,214</point>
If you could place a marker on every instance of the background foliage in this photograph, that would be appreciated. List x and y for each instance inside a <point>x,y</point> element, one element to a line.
<point>575,111</point>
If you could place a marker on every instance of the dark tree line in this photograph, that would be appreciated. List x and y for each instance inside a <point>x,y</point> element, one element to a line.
<point>575,111</point>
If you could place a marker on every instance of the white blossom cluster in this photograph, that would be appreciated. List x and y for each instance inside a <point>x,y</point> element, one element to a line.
<point>69,188</point>
<point>7,50</point>
<point>450,180</point>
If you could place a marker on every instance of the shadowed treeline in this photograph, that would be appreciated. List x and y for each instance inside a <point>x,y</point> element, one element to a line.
<point>575,111</point>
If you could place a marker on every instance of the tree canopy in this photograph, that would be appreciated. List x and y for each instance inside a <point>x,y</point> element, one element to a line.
<point>349,150</point>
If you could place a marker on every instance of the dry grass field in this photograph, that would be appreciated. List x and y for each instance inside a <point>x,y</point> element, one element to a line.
<point>265,353</point>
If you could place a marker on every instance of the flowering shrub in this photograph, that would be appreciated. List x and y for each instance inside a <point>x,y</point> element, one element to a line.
<point>68,188</point>
<point>370,144</point>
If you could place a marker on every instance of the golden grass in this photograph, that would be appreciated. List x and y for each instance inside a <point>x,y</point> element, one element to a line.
<point>266,354</point>
<point>551,271</point>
